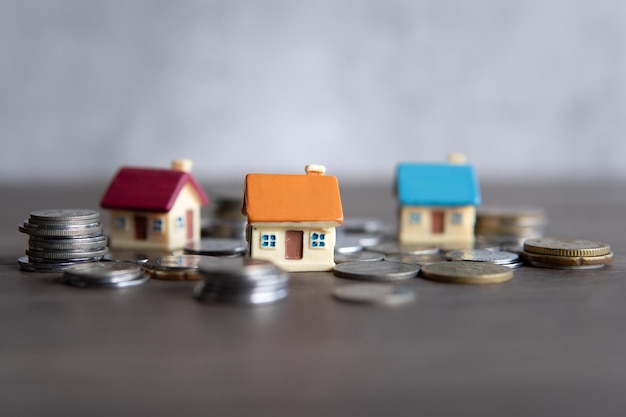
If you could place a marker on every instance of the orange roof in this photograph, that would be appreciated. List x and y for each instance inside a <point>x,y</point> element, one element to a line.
<point>292,198</point>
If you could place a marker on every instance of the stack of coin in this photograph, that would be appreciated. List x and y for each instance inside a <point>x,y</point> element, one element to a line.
<point>241,281</point>
<point>508,226</point>
<point>105,275</point>
<point>562,253</point>
<point>378,271</point>
<point>508,259</point>
<point>59,238</point>
<point>227,220</point>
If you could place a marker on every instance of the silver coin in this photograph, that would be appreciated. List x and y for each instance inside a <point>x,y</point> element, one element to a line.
<point>27,265</point>
<point>104,272</point>
<point>217,247</point>
<point>238,298</point>
<point>415,259</point>
<point>483,255</point>
<point>374,294</point>
<point>376,271</point>
<point>43,244</point>
<point>52,227</point>
<point>391,248</point>
<point>66,215</point>
<point>39,231</point>
<point>62,261</point>
<point>68,255</point>
<point>142,279</point>
<point>135,256</point>
<point>176,262</point>
<point>363,256</point>
<point>242,273</point>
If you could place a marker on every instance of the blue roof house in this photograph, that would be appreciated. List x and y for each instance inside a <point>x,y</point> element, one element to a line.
<point>437,203</point>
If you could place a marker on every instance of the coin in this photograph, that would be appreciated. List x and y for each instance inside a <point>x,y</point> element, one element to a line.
<point>48,244</point>
<point>374,294</point>
<point>466,272</point>
<point>64,215</point>
<point>217,247</point>
<point>483,255</point>
<point>376,271</point>
<point>363,256</point>
<point>567,262</point>
<point>68,254</point>
<point>566,247</point>
<point>175,267</point>
<point>103,272</point>
<point>510,216</point>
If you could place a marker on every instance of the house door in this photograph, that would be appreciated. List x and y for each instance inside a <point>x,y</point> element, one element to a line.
<point>141,228</point>
<point>437,223</point>
<point>294,240</point>
<point>189,225</point>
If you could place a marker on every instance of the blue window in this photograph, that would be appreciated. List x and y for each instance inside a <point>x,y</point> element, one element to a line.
<point>157,225</point>
<point>268,241</point>
<point>457,218</point>
<point>318,240</point>
<point>120,223</point>
<point>415,218</point>
<point>180,222</point>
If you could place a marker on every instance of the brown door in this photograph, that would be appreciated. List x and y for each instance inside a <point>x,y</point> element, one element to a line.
<point>189,224</point>
<point>437,223</point>
<point>141,228</point>
<point>294,240</point>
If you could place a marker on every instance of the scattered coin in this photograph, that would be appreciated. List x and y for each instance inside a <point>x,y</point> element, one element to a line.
<point>363,256</point>
<point>376,271</point>
<point>175,267</point>
<point>105,275</point>
<point>483,255</point>
<point>466,272</point>
<point>374,294</point>
<point>567,262</point>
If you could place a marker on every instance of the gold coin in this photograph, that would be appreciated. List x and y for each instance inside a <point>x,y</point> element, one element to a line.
<point>566,247</point>
<point>466,272</point>
<point>567,262</point>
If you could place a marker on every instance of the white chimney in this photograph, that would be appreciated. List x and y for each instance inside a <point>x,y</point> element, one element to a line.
<point>313,169</point>
<point>182,164</point>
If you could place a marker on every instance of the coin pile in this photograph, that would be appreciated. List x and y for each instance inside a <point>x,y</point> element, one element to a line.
<point>105,275</point>
<point>562,253</point>
<point>59,238</point>
<point>508,226</point>
<point>508,259</point>
<point>241,281</point>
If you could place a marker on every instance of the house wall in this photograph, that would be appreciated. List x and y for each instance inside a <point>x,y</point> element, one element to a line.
<point>172,232</point>
<point>313,259</point>
<point>416,223</point>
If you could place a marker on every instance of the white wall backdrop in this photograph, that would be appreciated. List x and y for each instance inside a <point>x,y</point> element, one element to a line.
<point>527,89</point>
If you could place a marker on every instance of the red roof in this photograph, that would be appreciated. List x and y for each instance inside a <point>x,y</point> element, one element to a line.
<point>148,189</point>
<point>292,198</point>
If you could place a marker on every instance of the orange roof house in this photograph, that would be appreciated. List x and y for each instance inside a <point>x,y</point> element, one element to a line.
<point>292,218</point>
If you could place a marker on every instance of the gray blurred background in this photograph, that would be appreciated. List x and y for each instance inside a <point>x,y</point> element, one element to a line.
<point>528,90</point>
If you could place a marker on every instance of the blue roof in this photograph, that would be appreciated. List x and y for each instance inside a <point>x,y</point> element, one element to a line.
<point>437,184</point>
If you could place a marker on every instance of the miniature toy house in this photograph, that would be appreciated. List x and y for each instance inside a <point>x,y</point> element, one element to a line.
<point>292,218</point>
<point>437,203</point>
<point>154,208</point>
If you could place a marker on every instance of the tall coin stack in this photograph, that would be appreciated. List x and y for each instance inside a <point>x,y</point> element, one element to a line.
<point>240,281</point>
<point>59,238</point>
<point>509,227</point>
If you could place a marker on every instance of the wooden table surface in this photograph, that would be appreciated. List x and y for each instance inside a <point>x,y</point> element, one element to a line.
<point>549,342</point>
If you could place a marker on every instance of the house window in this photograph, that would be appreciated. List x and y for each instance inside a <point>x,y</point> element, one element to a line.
<point>180,222</point>
<point>318,240</point>
<point>415,218</point>
<point>157,225</point>
<point>268,241</point>
<point>457,218</point>
<point>120,223</point>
